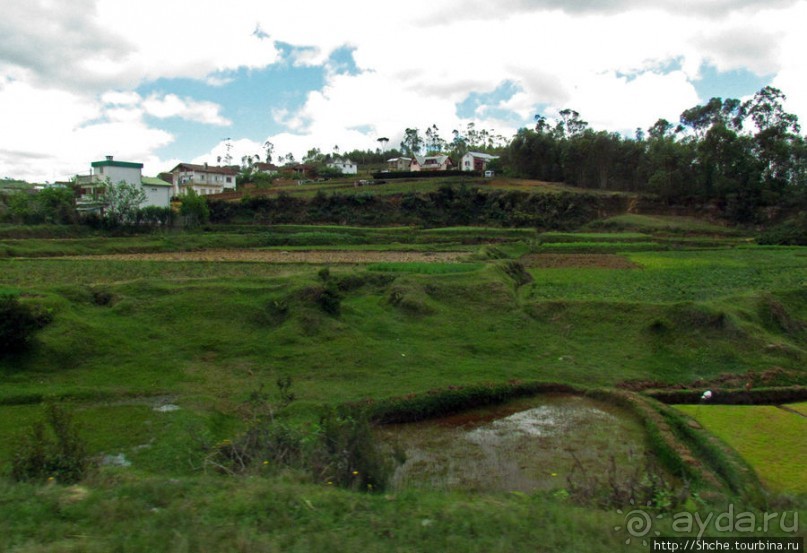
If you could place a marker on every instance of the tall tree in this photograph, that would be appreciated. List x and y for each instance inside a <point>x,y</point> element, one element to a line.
<point>268,150</point>
<point>434,143</point>
<point>570,124</point>
<point>777,141</point>
<point>412,142</point>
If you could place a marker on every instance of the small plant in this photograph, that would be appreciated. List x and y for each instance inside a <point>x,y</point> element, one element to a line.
<point>52,449</point>
<point>274,314</point>
<point>284,390</point>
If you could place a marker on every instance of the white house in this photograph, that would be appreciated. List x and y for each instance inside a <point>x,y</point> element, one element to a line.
<point>116,171</point>
<point>202,179</point>
<point>110,170</point>
<point>476,161</point>
<point>158,192</point>
<point>345,165</point>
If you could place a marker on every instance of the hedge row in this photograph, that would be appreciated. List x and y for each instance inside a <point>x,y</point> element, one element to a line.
<point>447,206</point>
<point>390,175</point>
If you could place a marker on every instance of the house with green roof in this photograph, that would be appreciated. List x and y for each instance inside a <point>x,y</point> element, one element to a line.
<point>110,170</point>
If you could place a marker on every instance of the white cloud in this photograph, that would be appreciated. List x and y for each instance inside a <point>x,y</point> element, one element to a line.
<point>52,134</point>
<point>172,105</point>
<point>617,103</point>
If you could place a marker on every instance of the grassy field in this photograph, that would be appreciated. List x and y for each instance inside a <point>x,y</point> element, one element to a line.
<point>131,335</point>
<point>769,437</point>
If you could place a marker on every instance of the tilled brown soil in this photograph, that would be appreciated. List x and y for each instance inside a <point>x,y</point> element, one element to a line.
<point>278,256</point>
<point>577,261</point>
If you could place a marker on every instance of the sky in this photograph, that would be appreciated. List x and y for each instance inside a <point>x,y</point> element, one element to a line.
<point>170,81</point>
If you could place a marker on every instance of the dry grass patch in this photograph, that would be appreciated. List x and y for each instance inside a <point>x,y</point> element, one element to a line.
<point>577,261</point>
<point>276,256</point>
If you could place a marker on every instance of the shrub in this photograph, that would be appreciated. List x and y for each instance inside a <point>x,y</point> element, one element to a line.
<point>516,271</point>
<point>52,449</point>
<point>330,301</point>
<point>346,453</point>
<point>266,440</point>
<point>194,209</point>
<point>275,313</point>
<point>18,324</point>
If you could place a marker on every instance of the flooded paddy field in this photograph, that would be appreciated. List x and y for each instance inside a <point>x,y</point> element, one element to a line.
<point>525,445</point>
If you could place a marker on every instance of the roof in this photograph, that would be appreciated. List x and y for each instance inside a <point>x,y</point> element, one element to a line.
<point>205,169</point>
<point>109,162</point>
<point>482,155</point>
<point>399,158</point>
<point>433,160</point>
<point>153,181</point>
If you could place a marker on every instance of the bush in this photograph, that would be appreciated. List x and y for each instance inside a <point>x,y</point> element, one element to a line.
<point>330,301</point>
<point>52,449</point>
<point>346,454</point>
<point>18,324</point>
<point>267,441</point>
<point>792,232</point>
<point>194,209</point>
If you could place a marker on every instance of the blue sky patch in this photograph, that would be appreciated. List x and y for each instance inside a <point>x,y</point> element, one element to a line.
<point>247,99</point>
<point>728,84</point>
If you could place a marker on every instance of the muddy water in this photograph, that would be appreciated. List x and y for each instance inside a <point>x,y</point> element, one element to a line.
<point>525,445</point>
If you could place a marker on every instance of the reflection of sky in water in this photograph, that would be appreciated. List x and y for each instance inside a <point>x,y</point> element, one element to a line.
<point>544,421</point>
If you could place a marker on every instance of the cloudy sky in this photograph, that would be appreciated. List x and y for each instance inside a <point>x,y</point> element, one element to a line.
<point>166,81</point>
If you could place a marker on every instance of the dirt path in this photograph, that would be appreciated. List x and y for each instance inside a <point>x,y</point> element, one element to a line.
<point>280,256</point>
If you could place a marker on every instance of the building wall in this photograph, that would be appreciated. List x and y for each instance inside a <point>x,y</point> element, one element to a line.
<point>202,183</point>
<point>470,162</point>
<point>346,168</point>
<point>129,175</point>
<point>159,196</point>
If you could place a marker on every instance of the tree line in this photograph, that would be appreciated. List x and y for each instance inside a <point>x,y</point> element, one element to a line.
<point>744,155</point>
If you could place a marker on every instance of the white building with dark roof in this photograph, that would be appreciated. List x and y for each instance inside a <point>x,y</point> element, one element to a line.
<point>202,179</point>
<point>476,161</point>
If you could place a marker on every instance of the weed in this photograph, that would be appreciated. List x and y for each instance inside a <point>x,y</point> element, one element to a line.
<point>645,484</point>
<point>53,449</point>
<point>267,441</point>
<point>275,313</point>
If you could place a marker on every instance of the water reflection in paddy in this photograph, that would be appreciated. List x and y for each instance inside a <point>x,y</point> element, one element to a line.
<point>525,445</point>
